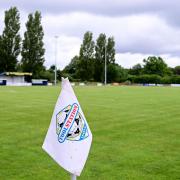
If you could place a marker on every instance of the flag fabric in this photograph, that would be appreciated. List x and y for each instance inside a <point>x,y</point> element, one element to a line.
<point>69,137</point>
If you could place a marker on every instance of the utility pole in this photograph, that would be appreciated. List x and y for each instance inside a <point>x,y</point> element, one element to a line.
<point>105,66</point>
<point>55,70</point>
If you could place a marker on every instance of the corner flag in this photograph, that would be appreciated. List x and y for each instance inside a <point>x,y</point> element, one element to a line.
<point>69,137</point>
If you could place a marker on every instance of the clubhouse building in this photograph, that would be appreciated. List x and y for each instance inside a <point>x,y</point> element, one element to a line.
<point>15,78</point>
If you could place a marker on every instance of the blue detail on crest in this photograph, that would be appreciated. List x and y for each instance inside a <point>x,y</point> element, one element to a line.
<point>83,134</point>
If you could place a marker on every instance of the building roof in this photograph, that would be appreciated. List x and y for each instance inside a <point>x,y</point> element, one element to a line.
<point>16,74</point>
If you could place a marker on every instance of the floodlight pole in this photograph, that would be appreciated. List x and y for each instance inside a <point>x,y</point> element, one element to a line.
<point>105,66</point>
<point>55,70</point>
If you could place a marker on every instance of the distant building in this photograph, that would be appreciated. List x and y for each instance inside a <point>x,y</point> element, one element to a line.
<point>39,82</point>
<point>15,78</point>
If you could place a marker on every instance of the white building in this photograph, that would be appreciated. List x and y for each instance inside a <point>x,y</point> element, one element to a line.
<point>14,78</point>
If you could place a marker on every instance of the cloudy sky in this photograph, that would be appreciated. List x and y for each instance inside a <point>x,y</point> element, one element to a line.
<point>140,27</point>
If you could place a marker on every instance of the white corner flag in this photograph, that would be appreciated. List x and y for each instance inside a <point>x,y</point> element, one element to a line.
<point>69,137</point>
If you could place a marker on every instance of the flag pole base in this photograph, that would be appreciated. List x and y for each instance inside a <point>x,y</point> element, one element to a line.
<point>73,177</point>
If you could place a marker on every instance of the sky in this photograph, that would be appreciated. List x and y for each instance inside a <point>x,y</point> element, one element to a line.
<point>141,28</point>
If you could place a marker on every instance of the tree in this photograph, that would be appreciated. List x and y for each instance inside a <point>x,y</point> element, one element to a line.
<point>115,73</point>
<point>51,71</point>
<point>99,57</point>
<point>52,68</point>
<point>33,46</point>
<point>3,57</point>
<point>110,50</point>
<point>59,74</point>
<point>72,67</point>
<point>122,73</point>
<point>177,70</point>
<point>112,73</point>
<point>155,65</point>
<point>136,69</point>
<point>10,41</point>
<point>89,65</point>
<point>86,57</point>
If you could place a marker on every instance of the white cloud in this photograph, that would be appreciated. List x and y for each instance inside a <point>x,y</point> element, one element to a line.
<point>67,48</point>
<point>128,60</point>
<point>171,60</point>
<point>138,35</point>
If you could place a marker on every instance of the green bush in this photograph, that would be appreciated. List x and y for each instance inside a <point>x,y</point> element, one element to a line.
<point>46,75</point>
<point>166,80</point>
<point>156,79</point>
<point>175,80</point>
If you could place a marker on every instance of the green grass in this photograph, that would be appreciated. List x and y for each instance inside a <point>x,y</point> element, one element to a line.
<point>136,133</point>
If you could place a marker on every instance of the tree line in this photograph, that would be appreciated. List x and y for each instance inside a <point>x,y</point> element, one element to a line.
<point>27,55</point>
<point>89,65</point>
<point>154,70</point>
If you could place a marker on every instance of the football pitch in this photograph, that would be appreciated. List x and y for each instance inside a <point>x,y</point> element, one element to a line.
<point>136,133</point>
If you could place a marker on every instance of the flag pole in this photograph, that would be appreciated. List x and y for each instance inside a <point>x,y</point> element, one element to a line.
<point>73,177</point>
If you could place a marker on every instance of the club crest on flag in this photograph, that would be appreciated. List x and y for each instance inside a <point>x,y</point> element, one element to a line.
<point>70,124</point>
